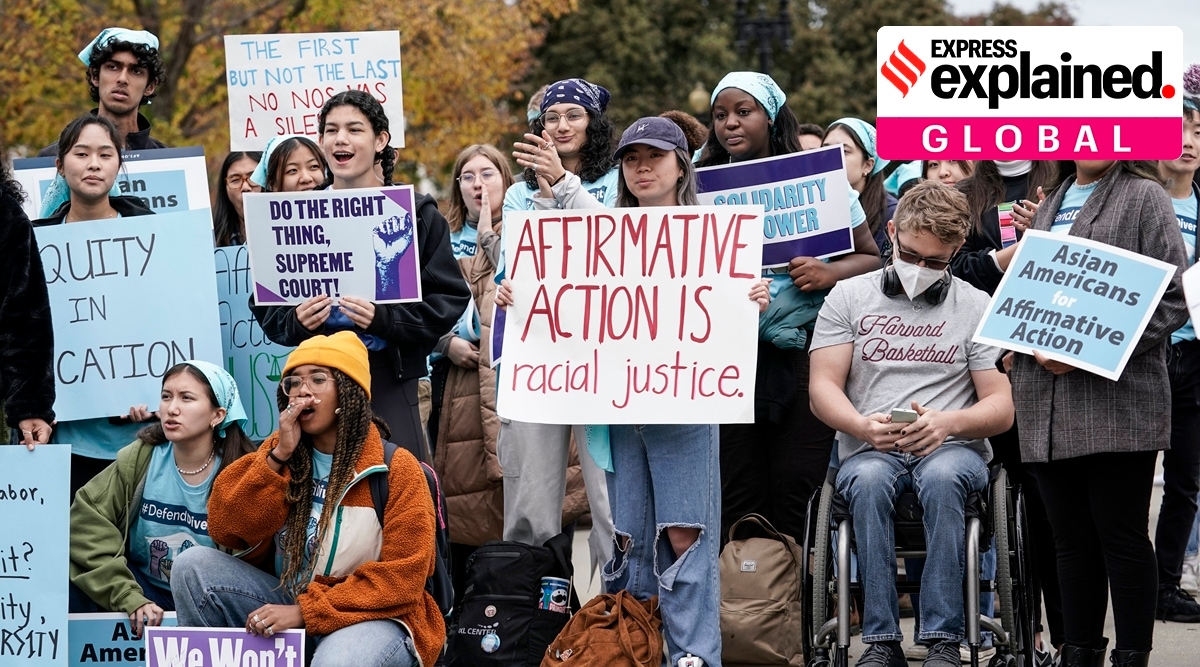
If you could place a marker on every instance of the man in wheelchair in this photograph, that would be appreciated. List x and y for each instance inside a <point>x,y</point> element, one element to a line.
<point>885,342</point>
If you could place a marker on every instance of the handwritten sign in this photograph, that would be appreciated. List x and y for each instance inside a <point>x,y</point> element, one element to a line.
<point>334,242</point>
<point>167,180</point>
<point>222,647</point>
<point>34,545</point>
<point>629,316</point>
<point>804,197</point>
<point>250,357</point>
<point>106,637</point>
<point>1075,300</point>
<point>130,298</point>
<point>278,83</point>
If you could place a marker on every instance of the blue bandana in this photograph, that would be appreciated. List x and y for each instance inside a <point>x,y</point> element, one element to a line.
<point>117,35</point>
<point>226,391</point>
<point>577,91</point>
<point>259,177</point>
<point>866,135</point>
<point>903,174</point>
<point>760,86</point>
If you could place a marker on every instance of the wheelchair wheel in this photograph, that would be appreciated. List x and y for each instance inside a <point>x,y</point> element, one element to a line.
<point>822,570</point>
<point>1012,584</point>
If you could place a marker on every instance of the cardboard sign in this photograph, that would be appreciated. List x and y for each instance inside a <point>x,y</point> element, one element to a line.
<point>34,547</point>
<point>167,180</point>
<point>805,199</point>
<point>106,637</point>
<point>130,297</point>
<point>222,647</point>
<point>278,83</point>
<point>1075,300</point>
<point>631,316</point>
<point>334,242</point>
<point>249,356</point>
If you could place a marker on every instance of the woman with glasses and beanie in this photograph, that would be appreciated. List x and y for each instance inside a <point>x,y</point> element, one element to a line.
<point>356,586</point>
<point>568,160</point>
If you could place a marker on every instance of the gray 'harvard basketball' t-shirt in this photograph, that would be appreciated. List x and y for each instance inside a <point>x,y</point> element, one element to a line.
<point>906,350</point>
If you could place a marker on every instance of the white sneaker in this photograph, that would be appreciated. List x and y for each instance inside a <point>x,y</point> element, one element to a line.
<point>690,661</point>
<point>1190,581</point>
<point>916,652</point>
<point>985,653</point>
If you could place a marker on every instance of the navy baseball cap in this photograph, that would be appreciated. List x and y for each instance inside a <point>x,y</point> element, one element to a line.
<point>653,131</point>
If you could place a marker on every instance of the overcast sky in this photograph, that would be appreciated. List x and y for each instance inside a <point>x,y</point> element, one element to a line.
<point>1183,13</point>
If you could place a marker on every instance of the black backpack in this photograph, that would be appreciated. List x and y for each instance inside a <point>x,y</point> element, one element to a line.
<point>499,623</point>
<point>439,584</point>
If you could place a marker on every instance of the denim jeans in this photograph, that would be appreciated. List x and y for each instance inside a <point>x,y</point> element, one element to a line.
<point>871,481</point>
<point>1193,545</point>
<point>669,476</point>
<point>534,459</point>
<point>215,590</point>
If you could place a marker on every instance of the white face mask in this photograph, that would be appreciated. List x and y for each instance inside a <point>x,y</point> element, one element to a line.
<point>915,279</point>
<point>1014,167</point>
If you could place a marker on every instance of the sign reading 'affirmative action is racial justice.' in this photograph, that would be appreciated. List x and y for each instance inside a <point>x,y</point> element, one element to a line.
<point>336,243</point>
<point>34,547</point>
<point>805,199</point>
<point>1075,300</point>
<point>627,316</point>
<point>279,82</point>
<point>131,297</point>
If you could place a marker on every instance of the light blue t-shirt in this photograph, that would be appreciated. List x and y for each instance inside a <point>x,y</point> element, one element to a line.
<point>1073,200</point>
<point>321,465</point>
<point>1186,212</point>
<point>96,438</point>
<point>464,242</point>
<point>172,519</point>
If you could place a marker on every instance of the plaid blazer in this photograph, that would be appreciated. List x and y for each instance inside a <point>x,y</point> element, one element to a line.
<point>1080,413</point>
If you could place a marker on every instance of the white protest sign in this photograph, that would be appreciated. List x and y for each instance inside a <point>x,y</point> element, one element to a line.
<point>631,316</point>
<point>167,180</point>
<point>359,243</point>
<point>1191,291</point>
<point>278,83</point>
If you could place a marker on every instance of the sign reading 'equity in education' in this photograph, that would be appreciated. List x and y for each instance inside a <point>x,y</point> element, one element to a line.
<point>631,316</point>
<point>1075,300</point>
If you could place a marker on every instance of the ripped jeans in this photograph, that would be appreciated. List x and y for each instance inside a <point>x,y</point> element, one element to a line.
<point>669,476</point>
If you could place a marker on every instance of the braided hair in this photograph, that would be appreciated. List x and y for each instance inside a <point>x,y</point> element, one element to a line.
<point>373,110</point>
<point>353,426</point>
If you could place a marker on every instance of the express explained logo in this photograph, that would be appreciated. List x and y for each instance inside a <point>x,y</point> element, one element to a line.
<point>899,68</point>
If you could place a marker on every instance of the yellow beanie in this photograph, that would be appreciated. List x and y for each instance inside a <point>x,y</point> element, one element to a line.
<point>343,351</point>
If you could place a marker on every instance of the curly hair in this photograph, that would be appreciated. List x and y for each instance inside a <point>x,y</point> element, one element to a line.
<point>373,110</point>
<point>232,446</point>
<point>227,225</point>
<point>785,138</point>
<point>935,208</point>
<point>283,152</point>
<point>595,158</point>
<point>147,58</point>
<point>693,130</point>
<point>8,184</point>
<point>353,426</point>
<point>457,212</point>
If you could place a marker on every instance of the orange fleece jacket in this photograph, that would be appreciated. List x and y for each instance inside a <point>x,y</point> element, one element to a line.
<point>248,506</point>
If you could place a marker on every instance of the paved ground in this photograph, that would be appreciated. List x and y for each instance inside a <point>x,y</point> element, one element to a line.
<point>1175,644</point>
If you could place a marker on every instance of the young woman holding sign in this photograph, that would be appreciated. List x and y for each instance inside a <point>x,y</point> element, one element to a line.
<point>89,159</point>
<point>664,480</point>
<point>123,544</point>
<point>864,170</point>
<point>354,138</point>
<point>773,466</point>
<point>302,505</point>
<point>1092,441</point>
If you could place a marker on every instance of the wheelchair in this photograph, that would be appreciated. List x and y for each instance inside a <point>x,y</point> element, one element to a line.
<point>997,511</point>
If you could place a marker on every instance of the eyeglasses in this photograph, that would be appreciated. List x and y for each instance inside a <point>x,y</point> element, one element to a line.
<point>485,176</point>
<point>318,383</point>
<point>236,181</point>
<point>935,263</point>
<point>551,119</point>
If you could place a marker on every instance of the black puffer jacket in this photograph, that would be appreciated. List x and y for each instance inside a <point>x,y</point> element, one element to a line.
<point>26,334</point>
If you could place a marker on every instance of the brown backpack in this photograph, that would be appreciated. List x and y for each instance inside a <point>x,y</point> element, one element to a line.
<point>610,631</point>
<point>760,596</point>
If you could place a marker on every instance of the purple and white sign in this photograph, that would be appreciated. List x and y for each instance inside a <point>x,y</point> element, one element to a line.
<point>805,199</point>
<point>222,647</point>
<point>338,243</point>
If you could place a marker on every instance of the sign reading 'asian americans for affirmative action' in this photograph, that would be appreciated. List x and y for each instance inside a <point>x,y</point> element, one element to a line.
<point>1075,300</point>
<point>626,316</point>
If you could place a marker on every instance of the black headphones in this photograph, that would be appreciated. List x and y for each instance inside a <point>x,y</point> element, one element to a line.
<point>890,283</point>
